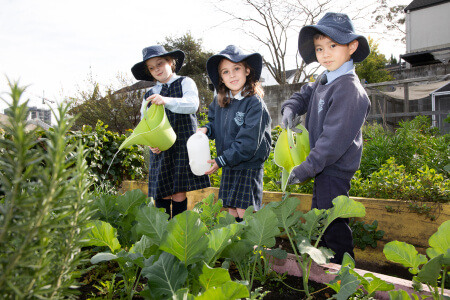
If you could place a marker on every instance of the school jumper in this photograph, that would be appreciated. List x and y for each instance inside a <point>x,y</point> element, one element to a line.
<point>169,171</point>
<point>335,113</point>
<point>243,142</point>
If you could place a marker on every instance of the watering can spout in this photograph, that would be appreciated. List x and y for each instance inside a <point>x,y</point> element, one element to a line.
<point>153,130</point>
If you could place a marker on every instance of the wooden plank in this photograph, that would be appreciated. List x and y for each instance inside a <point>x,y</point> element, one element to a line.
<point>409,80</point>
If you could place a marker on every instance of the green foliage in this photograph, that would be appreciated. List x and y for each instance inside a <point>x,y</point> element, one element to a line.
<point>43,213</point>
<point>348,284</point>
<point>103,146</point>
<point>120,111</point>
<point>305,236</point>
<point>392,181</point>
<point>372,69</point>
<point>365,234</point>
<point>429,272</point>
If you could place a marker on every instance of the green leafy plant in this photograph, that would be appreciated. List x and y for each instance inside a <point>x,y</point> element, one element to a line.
<point>348,284</point>
<point>305,236</point>
<point>365,234</point>
<point>103,154</point>
<point>42,214</point>
<point>175,256</point>
<point>431,272</point>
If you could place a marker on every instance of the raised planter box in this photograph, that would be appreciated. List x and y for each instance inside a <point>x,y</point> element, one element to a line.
<point>400,224</point>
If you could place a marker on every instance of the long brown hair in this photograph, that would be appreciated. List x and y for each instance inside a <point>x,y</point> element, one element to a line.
<point>251,87</point>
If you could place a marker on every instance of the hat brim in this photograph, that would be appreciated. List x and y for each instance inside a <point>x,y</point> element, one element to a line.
<point>212,65</point>
<point>306,42</point>
<point>141,72</point>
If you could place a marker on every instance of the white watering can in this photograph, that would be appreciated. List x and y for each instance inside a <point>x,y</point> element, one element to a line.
<point>198,152</point>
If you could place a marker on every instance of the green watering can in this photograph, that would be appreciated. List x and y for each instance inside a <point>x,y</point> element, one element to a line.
<point>154,130</point>
<point>290,153</point>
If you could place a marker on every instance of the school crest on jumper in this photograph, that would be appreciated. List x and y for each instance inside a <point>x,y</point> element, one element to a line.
<point>239,118</point>
<point>321,104</point>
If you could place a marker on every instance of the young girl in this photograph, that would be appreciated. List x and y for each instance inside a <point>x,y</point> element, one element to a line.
<point>170,176</point>
<point>240,123</point>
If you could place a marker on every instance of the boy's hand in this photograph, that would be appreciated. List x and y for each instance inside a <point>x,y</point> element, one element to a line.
<point>157,99</point>
<point>155,150</point>
<point>292,179</point>
<point>214,167</point>
<point>290,121</point>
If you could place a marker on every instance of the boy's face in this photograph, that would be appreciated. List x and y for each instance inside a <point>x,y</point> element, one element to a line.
<point>332,55</point>
<point>160,68</point>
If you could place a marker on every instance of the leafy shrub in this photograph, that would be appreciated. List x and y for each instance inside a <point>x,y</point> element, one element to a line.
<point>414,144</point>
<point>365,234</point>
<point>43,213</point>
<point>103,146</point>
<point>392,181</point>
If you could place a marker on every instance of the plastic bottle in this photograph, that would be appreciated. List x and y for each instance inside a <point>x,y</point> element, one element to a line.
<point>198,152</point>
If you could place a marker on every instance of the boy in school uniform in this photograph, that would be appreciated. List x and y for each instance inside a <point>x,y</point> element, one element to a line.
<point>336,107</point>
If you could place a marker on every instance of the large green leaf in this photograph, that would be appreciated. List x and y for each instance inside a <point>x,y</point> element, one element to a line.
<point>103,234</point>
<point>431,271</point>
<point>344,207</point>
<point>130,199</point>
<point>106,206</point>
<point>345,284</point>
<point>228,291</point>
<point>320,256</point>
<point>440,240</point>
<point>400,295</point>
<point>405,254</point>
<point>373,284</point>
<point>165,276</point>
<point>151,222</point>
<point>262,228</point>
<point>286,212</point>
<point>238,251</point>
<point>213,277</point>
<point>102,256</point>
<point>218,239</point>
<point>185,238</point>
<point>144,246</point>
<point>312,223</point>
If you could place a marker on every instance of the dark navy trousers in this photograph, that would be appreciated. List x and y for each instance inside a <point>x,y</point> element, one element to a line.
<point>338,236</point>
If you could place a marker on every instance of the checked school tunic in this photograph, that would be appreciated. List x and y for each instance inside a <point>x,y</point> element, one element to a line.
<point>169,171</point>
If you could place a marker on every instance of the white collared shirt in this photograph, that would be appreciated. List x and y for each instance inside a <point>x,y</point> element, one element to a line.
<point>188,104</point>
<point>346,68</point>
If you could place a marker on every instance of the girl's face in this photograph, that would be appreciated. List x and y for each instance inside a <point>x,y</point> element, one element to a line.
<point>160,68</point>
<point>233,75</point>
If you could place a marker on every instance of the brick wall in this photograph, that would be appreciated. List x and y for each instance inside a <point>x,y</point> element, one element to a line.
<point>275,95</point>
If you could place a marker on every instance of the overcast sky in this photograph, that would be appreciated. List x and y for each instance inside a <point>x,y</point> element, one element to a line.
<point>52,45</point>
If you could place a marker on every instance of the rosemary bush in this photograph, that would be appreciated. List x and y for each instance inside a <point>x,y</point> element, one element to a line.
<point>43,213</point>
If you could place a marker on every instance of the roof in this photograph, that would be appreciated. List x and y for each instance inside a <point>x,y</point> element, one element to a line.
<point>419,4</point>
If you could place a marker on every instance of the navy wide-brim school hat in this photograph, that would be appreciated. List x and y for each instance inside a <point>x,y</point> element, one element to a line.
<point>235,55</point>
<point>140,70</point>
<point>340,29</point>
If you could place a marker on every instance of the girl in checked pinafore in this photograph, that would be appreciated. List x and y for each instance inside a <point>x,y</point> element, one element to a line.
<point>170,176</point>
<point>240,124</point>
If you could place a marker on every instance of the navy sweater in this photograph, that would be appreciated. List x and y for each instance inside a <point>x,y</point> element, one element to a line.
<point>241,131</point>
<point>335,114</point>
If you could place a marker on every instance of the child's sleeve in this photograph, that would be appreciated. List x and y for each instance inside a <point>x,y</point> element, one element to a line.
<point>299,101</point>
<point>188,104</point>
<point>249,137</point>
<point>211,133</point>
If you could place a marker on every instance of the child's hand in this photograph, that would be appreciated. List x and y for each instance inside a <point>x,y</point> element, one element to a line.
<point>202,129</point>
<point>157,99</point>
<point>155,150</point>
<point>214,167</point>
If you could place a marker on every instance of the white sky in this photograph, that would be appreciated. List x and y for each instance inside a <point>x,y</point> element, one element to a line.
<point>53,45</point>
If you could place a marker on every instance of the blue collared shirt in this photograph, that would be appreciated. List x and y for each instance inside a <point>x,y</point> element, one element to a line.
<point>188,104</point>
<point>346,68</point>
